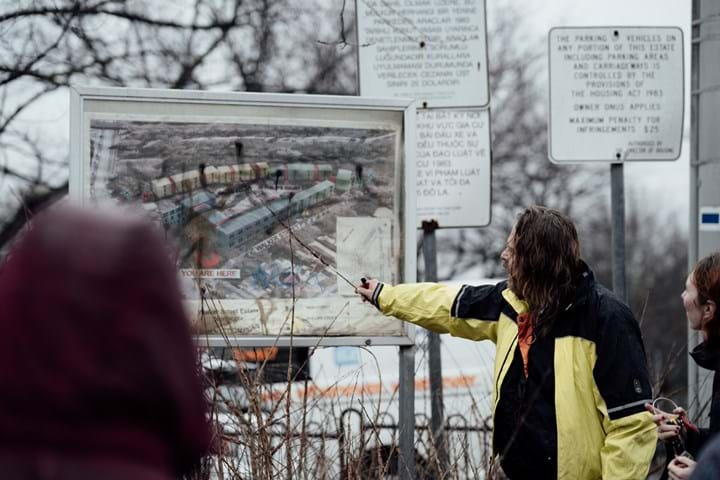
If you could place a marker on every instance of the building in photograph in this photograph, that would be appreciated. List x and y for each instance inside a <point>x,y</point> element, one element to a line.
<point>201,197</point>
<point>226,174</point>
<point>229,174</point>
<point>324,171</point>
<point>237,229</point>
<point>233,231</point>
<point>187,182</point>
<point>304,173</point>
<point>163,187</point>
<point>343,180</point>
<point>299,173</point>
<point>261,170</point>
<point>245,172</point>
<point>211,175</point>
<point>184,182</point>
<point>170,212</point>
<point>312,196</point>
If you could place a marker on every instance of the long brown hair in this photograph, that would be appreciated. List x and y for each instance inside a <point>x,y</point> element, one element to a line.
<point>546,259</point>
<point>706,276</point>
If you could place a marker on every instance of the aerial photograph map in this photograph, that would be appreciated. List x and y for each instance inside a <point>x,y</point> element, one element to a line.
<point>269,223</point>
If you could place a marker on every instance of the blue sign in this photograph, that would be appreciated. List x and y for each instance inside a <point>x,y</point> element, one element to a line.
<point>710,218</point>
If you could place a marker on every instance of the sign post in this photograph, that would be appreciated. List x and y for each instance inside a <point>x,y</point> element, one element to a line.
<point>406,462</point>
<point>617,200</point>
<point>616,95</point>
<point>434,358</point>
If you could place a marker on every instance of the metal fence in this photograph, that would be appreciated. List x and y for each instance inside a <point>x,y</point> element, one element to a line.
<point>353,446</point>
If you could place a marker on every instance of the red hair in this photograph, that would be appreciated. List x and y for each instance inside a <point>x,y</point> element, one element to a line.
<point>706,277</point>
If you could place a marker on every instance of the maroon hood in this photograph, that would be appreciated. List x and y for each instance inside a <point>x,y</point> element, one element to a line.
<point>96,357</point>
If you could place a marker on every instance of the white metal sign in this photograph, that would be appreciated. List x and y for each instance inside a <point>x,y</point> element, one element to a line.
<point>616,93</point>
<point>434,51</point>
<point>453,167</point>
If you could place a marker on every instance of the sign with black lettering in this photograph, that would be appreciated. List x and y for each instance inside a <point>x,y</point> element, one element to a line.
<point>434,51</point>
<point>616,93</point>
<point>453,167</point>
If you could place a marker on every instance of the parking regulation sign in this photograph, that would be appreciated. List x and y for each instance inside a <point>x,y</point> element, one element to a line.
<point>616,93</point>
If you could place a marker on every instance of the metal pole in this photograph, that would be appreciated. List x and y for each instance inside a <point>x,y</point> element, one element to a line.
<point>617,194</point>
<point>693,244</point>
<point>437,418</point>
<point>406,462</point>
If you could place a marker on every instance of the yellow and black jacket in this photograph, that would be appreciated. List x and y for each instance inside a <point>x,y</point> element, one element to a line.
<point>579,413</point>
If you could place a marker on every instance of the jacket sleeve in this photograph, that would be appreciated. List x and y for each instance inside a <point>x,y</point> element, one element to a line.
<point>624,387</point>
<point>467,311</point>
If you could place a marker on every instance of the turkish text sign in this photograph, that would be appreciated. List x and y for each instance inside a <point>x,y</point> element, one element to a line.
<point>453,167</point>
<point>616,93</point>
<point>434,51</point>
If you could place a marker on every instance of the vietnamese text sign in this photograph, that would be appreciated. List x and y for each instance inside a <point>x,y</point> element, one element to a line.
<point>616,93</point>
<point>434,51</point>
<point>453,167</point>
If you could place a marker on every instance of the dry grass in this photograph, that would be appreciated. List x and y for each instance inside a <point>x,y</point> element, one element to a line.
<point>307,431</point>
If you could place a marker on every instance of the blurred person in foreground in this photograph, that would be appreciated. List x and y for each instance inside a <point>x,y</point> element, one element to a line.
<point>708,465</point>
<point>98,377</point>
<point>700,299</point>
<point>570,371</point>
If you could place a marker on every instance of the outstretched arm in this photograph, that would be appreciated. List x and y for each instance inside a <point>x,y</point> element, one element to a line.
<point>467,312</point>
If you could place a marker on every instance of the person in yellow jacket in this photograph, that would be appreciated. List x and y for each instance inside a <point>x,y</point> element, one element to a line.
<point>571,377</point>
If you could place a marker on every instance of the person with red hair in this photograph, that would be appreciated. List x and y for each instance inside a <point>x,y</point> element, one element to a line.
<point>700,299</point>
<point>98,375</point>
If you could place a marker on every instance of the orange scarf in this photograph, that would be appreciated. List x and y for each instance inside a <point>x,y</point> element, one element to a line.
<point>525,337</point>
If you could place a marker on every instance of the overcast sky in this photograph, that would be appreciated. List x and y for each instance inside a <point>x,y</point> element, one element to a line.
<point>657,185</point>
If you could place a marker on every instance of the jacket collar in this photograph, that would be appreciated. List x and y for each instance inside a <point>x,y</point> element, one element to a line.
<point>707,355</point>
<point>520,306</point>
<point>584,283</point>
